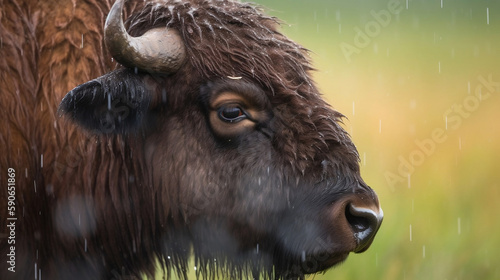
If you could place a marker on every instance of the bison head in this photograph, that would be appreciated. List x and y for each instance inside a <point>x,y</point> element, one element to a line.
<point>248,166</point>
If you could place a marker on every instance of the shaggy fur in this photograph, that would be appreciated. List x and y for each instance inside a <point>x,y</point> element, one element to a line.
<point>148,181</point>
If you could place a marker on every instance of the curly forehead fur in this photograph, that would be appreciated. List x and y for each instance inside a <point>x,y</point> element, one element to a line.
<point>226,38</point>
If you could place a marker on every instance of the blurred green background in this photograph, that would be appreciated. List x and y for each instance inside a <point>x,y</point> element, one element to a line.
<point>419,82</point>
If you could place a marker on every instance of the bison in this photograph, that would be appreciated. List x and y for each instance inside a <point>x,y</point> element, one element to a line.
<point>208,140</point>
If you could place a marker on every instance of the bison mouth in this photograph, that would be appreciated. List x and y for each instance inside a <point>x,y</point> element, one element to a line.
<point>309,243</point>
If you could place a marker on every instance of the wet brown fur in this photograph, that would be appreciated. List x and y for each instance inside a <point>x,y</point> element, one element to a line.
<point>128,198</point>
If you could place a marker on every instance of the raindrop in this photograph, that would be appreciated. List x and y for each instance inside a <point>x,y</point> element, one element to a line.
<point>34,185</point>
<point>26,172</point>
<point>194,267</point>
<point>423,252</point>
<point>50,189</point>
<point>410,234</point>
<point>81,47</point>
<point>459,225</point>
<point>413,104</point>
<point>303,256</point>
<point>309,112</point>
<point>488,16</point>
<point>85,244</point>
<point>164,96</point>
<point>476,51</point>
<point>439,66</point>
<point>41,161</point>
<point>109,102</point>
<point>441,4</point>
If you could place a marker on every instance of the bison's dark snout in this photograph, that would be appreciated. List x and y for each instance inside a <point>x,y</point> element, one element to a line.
<point>359,217</point>
<point>365,222</point>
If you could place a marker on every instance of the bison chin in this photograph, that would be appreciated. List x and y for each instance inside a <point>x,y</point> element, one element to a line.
<point>318,235</point>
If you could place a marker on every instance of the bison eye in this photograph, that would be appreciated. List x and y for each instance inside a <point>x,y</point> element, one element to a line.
<point>235,110</point>
<point>231,114</point>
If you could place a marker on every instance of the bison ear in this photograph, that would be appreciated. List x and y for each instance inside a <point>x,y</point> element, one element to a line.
<point>117,102</point>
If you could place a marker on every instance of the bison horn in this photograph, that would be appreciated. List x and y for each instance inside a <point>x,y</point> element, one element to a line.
<point>159,50</point>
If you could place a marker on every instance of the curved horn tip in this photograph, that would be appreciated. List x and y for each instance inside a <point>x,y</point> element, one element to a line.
<point>159,50</point>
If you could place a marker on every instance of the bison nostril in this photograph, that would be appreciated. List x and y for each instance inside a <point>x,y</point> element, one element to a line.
<point>365,223</point>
